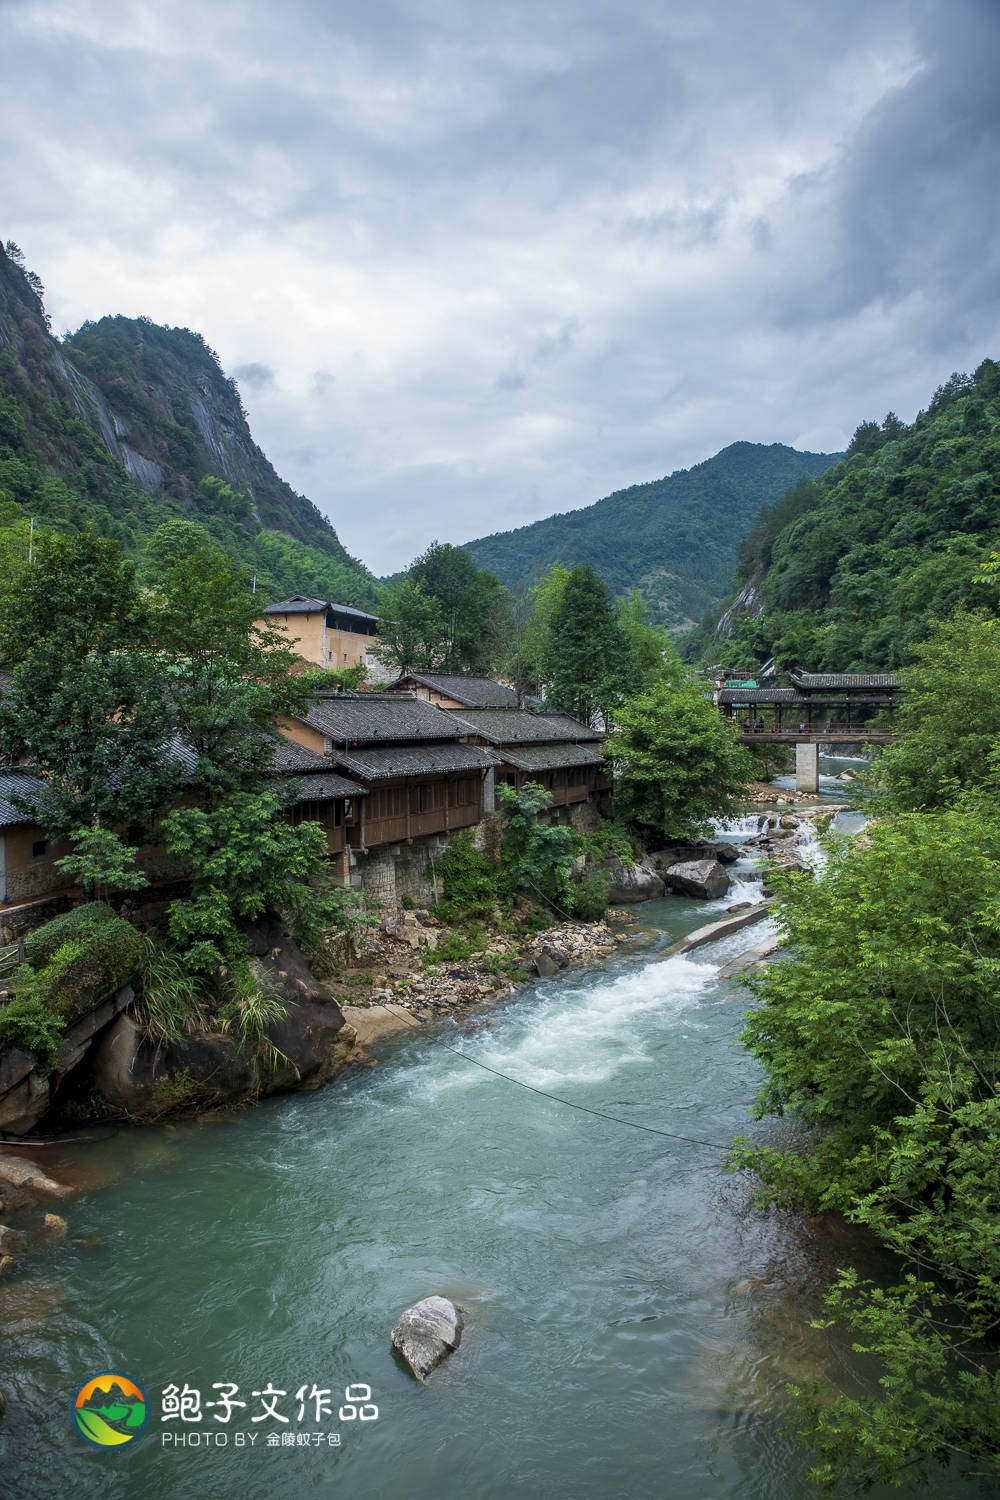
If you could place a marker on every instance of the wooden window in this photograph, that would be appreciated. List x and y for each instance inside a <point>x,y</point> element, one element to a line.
<point>39,848</point>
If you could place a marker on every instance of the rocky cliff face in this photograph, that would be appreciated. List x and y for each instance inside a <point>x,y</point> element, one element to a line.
<point>170,414</point>
<point>132,419</point>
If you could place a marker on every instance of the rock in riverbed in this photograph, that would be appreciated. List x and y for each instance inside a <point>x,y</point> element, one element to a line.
<point>700,877</point>
<point>427,1333</point>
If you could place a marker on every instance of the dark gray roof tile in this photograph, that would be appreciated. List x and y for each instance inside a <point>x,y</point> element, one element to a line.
<point>518,726</point>
<point>760,695</point>
<point>377,718</point>
<point>303,604</point>
<point>377,764</point>
<point>551,757</point>
<point>17,784</point>
<point>326,787</point>
<point>811,680</point>
<point>473,692</point>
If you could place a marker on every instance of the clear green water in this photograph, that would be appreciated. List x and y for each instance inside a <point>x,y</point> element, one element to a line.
<point>631,1318</point>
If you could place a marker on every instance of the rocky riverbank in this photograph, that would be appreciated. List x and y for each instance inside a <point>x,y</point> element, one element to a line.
<point>404,976</point>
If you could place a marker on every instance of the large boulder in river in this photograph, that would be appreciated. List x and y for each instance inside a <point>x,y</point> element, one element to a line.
<point>427,1333</point>
<point>632,883</point>
<point>699,877</point>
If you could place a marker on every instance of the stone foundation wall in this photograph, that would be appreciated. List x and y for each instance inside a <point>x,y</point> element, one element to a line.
<point>389,873</point>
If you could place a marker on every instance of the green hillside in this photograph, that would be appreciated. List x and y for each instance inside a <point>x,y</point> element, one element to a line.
<point>126,425</point>
<point>848,571</point>
<point>675,539</point>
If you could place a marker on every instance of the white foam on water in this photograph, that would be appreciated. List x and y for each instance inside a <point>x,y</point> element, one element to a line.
<point>580,1035</point>
<point>746,826</point>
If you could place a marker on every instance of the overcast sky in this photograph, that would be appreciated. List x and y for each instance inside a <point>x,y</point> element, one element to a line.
<point>475,263</point>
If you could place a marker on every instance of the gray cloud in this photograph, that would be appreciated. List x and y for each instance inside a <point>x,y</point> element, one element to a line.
<point>473,265</point>
<point>256,376</point>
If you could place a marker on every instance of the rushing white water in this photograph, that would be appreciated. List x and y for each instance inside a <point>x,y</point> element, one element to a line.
<point>746,826</point>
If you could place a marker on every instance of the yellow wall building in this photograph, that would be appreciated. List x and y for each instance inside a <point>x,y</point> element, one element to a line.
<point>324,634</point>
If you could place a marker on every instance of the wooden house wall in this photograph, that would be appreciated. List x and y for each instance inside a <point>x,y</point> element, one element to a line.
<point>413,807</point>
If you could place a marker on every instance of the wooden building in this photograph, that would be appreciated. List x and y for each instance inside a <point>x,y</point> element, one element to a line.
<point>319,794</point>
<point>324,634</point>
<point>27,854</point>
<point>407,755</point>
<point>559,753</point>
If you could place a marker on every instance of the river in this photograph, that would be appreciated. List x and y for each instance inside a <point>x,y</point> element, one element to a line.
<point>631,1318</point>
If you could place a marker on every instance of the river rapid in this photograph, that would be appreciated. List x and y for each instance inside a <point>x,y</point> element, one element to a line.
<point>631,1318</point>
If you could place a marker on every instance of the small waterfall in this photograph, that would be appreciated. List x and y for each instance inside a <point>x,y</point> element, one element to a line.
<point>746,826</point>
<point>808,847</point>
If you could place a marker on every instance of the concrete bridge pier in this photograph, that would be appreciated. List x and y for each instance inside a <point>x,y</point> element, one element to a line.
<point>807,768</point>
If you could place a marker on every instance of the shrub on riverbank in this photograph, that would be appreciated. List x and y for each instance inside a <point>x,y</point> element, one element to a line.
<point>82,957</point>
<point>40,945</point>
<point>881,1032</point>
<point>534,858</point>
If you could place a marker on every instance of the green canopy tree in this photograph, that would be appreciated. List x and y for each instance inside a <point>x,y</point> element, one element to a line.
<point>586,661</point>
<point>949,717</point>
<point>445,614</point>
<point>678,763</point>
<point>228,673</point>
<point>86,705</point>
<point>411,628</point>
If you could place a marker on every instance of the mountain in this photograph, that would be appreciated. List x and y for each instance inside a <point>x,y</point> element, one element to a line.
<point>125,425</point>
<point>847,572</point>
<point>675,539</point>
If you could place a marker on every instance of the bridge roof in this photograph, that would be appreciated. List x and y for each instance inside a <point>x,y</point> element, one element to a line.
<point>760,695</point>
<point>810,681</point>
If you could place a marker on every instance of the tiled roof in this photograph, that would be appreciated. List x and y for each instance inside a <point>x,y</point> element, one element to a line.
<point>549,757</point>
<point>288,756</point>
<point>413,760</point>
<point>760,695</point>
<point>572,729</point>
<point>17,783</point>
<point>473,692</point>
<point>326,787</point>
<point>811,680</point>
<point>375,718</point>
<point>517,726</point>
<point>302,604</point>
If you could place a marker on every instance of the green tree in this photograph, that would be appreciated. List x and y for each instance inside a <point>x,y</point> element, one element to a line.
<point>949,718</point>
<point>678,762</point>
<point>534,853</point>
<point>86,705</point>
<point>246,861</point>
<point>172,543</point>
<point>880,1033</point>
<point>534,618</point>
<point>228,672</point>
<point>473,606</point>
<point>101,862</point>
<point>222,498</point>
<point>586,661</point>
<point>649,647</point>
<point>411,628</point>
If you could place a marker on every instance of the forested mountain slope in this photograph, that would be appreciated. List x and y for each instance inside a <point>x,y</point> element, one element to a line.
<point>126,425</point>
<point>847,571</point>
<point>674,539</point>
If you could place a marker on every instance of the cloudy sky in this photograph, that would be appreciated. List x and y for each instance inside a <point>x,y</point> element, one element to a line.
<point>475,263</point>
